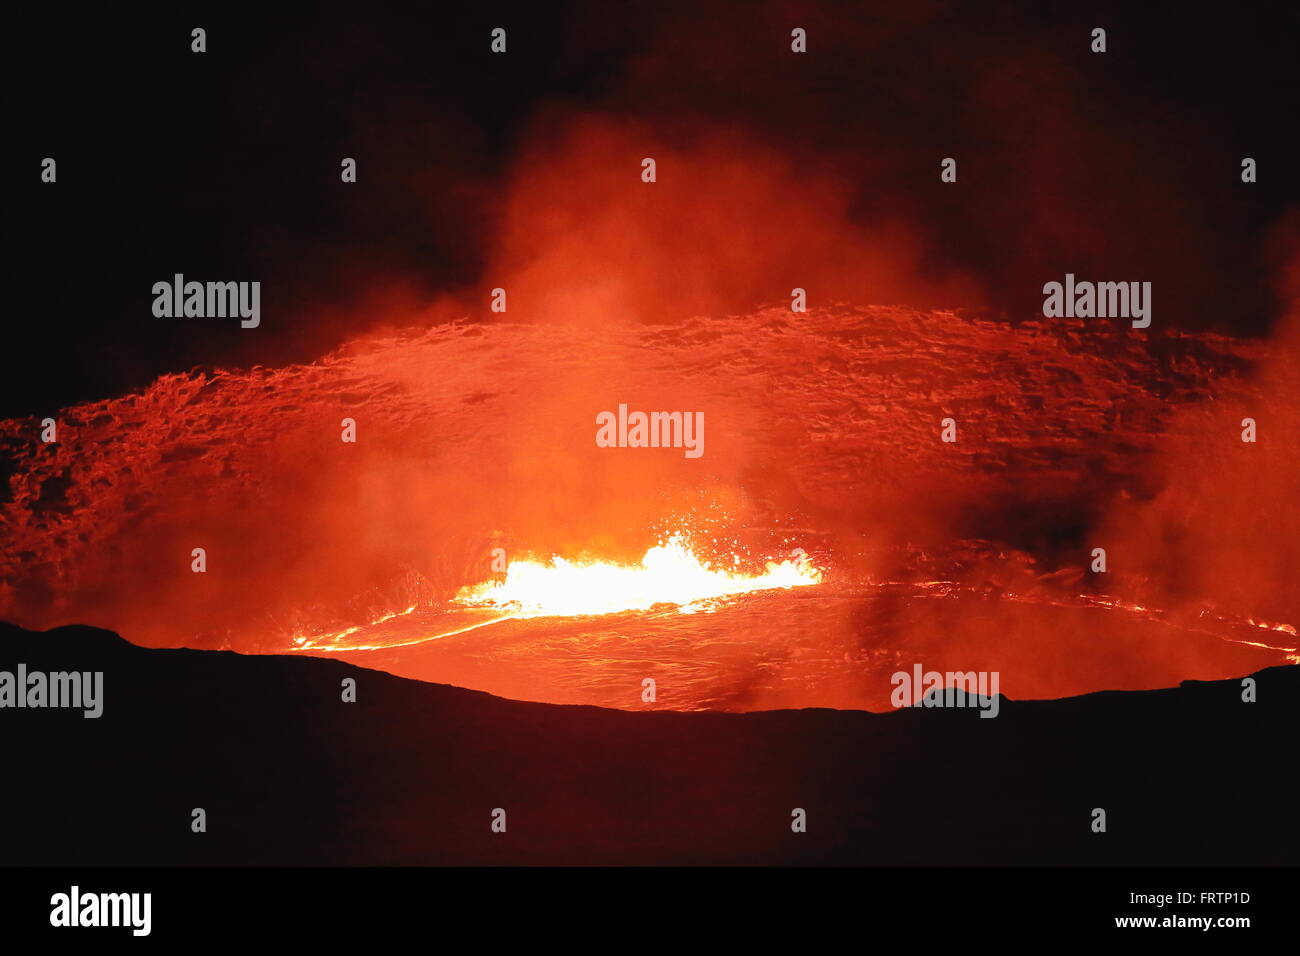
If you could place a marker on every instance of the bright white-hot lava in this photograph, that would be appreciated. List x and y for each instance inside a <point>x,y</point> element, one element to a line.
<point>670,573</point>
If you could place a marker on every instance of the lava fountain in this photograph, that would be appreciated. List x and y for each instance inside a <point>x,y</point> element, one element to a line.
<point>670,573</point>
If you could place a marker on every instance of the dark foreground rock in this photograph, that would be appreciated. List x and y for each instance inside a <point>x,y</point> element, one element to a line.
<point>411,773</point>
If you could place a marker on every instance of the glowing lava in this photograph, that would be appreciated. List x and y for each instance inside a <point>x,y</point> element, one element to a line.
<point>668,574</point>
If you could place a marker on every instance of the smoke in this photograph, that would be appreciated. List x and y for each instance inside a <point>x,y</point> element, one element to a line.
<point>729,224</point>
<point>1121,165</point>
<point>1219,525</point>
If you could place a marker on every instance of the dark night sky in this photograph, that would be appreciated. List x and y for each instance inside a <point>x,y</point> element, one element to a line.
<point>225,165</point>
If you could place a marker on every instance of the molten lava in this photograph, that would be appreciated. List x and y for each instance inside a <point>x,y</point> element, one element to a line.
<point>670,573</point>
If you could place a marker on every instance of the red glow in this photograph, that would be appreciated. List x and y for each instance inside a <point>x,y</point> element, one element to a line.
<point>822,437</point>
